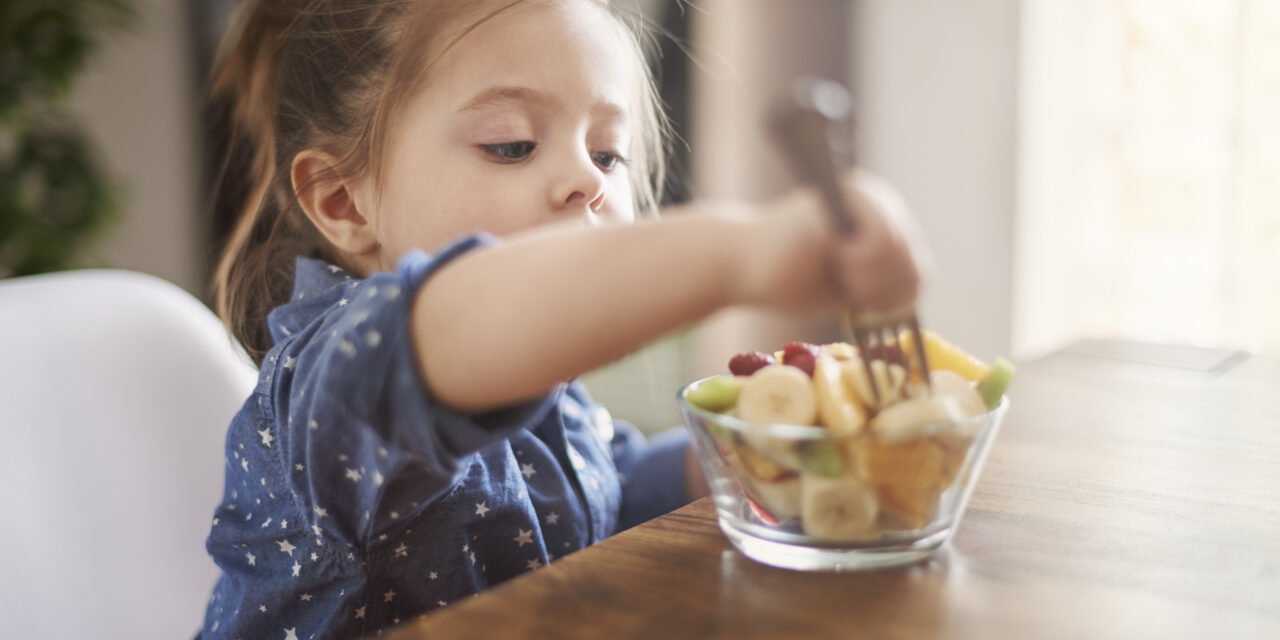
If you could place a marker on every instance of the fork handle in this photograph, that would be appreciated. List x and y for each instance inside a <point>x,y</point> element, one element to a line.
<point>802,128</point>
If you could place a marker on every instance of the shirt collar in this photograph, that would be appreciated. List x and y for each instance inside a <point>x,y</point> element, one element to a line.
<point>317,286</point>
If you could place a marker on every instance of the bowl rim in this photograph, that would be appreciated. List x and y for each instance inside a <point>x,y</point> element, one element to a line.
<point>810,432</point>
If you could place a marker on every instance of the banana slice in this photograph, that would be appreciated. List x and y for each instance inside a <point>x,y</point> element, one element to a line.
<point>778,394</point>
<point>842,508</point>
<point>889,380</point>
<point>781,498</point>
<point>838,408</point>
<point>916,418</point>
<point>967,397</point>
<point>840,350</point>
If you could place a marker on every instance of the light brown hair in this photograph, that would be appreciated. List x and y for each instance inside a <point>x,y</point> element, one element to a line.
<point>331,74</point>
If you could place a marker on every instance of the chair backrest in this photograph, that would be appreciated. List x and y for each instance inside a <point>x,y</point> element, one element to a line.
<point>116,389</point>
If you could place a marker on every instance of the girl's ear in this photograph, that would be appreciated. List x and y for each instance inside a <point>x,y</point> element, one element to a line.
<point>330,202</point>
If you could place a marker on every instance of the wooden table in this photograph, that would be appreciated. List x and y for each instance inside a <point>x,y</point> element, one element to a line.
<point>1133,493</point>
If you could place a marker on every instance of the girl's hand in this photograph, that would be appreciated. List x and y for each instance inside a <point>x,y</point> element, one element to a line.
<point>799,260</point>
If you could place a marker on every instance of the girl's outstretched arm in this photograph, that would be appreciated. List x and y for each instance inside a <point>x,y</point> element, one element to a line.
<point>503,324</point>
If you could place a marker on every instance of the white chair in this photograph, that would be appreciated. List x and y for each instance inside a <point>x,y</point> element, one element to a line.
<point>116,389</point>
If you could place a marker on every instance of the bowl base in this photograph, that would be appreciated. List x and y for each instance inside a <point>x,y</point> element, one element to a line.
<point>810,558</point>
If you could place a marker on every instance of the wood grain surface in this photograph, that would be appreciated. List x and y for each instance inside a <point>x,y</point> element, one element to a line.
<point>1124,498</point>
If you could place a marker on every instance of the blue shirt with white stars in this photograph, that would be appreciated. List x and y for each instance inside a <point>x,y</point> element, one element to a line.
<point>355,501</point>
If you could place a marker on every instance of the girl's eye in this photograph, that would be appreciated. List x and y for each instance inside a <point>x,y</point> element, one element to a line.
<point>509,151</point>
<point>607,160</point>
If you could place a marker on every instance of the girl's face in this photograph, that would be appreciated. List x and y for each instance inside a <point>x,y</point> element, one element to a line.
<point>523,122</point>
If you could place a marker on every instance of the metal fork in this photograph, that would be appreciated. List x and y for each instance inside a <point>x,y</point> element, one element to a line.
<point>802,126</point>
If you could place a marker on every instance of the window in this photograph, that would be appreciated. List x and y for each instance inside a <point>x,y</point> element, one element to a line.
<point>1149,204</point>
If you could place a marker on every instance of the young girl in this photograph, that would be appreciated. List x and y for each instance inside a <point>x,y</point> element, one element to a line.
<point>429,254</point>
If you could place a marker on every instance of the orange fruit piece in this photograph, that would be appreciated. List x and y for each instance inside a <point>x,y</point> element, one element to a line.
<point>943,355</point>
<point>908,477</point>
<point>906,507</point>
<point>913,464</point>
<point>953,455</point>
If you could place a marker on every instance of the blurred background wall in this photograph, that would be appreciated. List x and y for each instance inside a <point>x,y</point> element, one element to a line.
<point>139,98</point>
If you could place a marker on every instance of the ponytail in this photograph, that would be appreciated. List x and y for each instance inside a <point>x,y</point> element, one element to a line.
<point>254,272</point>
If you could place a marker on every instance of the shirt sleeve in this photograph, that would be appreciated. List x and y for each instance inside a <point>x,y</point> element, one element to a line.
<point>653,472</point>
<point>370,443</point>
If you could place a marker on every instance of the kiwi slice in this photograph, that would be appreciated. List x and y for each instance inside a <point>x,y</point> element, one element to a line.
<point>717,393</point>
<point>993,385</point>
<point>820,457</point>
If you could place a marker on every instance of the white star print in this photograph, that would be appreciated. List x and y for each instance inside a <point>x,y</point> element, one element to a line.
<point>524,537</point>
<point>482,509</point>
<point>333,268</point>
<point>316,528</point>
<point>244,463</point>
<point>264,524</point>
<point>266,436</point>
<point>402,550</point>
<point>215,522</point>
<point>321,512</point>
<point>377,478</point>
<point>473,557</point>
<point>313,425</point>
<point>386,597</point>
<point>251,558</point>
<point>296,568</point>
<point>433,575</point>
<point>441,603</point>
<point>395,515</point>
<point>298,466</point>
<point>343,302</point>
<point>553,518</point>
<point>342,457</point>
<point>284,524</point>
<point>533,564</point>
<point>289,362</point>
<point>262,608</point>
<point>286,547</point>
<point>291,634</point>
<point>346,348</point>
<point>359,613</point>
<point>372,338</point>
<point>306,597</point>
<point>354,475</point>
<point>527,469</point>
<point>314,556</point>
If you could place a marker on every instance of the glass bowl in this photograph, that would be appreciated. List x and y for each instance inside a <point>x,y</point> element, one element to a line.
<point>797,497</point>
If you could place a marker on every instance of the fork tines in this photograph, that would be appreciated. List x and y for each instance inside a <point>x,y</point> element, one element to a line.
<point>877,335</point>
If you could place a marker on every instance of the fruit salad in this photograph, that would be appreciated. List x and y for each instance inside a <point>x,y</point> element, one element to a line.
<point>860,467</point>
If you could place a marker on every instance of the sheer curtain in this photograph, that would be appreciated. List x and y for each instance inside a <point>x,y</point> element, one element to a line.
<point>1149,186</point>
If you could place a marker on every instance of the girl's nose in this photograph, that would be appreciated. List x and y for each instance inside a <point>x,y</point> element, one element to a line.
<point>579,187</point>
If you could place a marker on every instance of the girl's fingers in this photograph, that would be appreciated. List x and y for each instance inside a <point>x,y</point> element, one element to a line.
<point>881,266</point>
